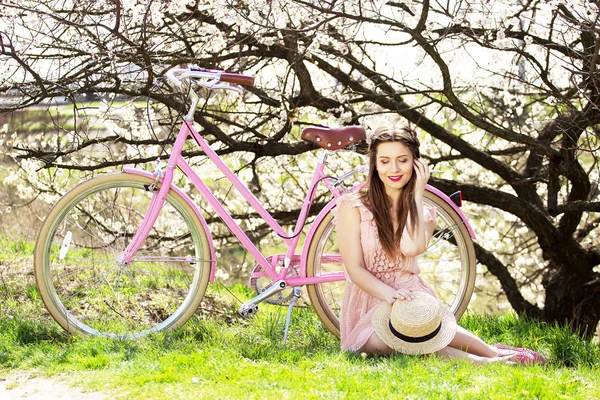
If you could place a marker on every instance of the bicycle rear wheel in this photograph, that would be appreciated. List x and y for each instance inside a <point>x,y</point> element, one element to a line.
<point>86,289</point>
<point>448,265</point>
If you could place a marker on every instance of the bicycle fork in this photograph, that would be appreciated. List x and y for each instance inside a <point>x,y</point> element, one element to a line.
<point>156,204</point>
<point>158,199</point>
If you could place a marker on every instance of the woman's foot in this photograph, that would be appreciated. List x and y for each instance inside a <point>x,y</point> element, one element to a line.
<point>522,355</point>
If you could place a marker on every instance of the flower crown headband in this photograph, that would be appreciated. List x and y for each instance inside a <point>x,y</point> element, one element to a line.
<point>412,132</point>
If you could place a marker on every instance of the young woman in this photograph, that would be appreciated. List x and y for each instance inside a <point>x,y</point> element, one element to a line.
<point>380,232</point>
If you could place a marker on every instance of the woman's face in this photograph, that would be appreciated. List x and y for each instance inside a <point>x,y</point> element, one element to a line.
<point>394,164</point>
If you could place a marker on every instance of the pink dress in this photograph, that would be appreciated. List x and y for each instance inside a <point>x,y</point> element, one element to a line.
<point>358,306</point>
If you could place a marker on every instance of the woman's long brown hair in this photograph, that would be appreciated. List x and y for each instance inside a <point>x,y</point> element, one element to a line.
<point>373,193</point>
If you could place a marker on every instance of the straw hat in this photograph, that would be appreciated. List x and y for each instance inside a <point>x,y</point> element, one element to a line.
<point>420,326</point>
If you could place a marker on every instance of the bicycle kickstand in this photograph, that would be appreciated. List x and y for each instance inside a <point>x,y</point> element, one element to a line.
<point>297,294</point>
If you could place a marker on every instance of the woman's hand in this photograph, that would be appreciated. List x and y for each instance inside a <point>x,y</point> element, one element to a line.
<point>422,172</point>
<point>400,294</point>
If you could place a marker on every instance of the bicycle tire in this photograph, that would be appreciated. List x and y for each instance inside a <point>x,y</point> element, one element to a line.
<point>452,277</point>
<point>86,289</point>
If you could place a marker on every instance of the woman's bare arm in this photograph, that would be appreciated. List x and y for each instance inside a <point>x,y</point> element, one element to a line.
<point>415,239</point>
<point>415,243</point>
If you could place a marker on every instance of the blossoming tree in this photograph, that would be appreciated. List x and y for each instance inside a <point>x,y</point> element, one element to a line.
<point>506,95</point>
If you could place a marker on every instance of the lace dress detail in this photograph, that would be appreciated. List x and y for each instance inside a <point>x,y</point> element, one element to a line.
<point>358,306</point>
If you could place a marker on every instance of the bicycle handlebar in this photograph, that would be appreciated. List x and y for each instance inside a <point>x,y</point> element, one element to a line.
<point>237,78</point>
<point>214,77</point>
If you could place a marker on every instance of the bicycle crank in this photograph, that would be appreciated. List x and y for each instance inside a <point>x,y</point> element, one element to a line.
<point>250,308</point>
<point>260,282</point>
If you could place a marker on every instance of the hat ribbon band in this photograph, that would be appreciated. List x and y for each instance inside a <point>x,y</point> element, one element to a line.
<point>412,339</point>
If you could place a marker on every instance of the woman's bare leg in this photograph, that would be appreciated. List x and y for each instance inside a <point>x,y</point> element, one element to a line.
<point>451,352</point>
<point>470,343</point>
<point>465,345</point>
<point>376,346</point>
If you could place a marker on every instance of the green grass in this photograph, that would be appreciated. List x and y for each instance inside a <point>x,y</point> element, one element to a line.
<point>220,356</point>
<point>210,358</point>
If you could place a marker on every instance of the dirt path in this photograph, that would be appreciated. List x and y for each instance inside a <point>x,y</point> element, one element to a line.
<point>25,385</point>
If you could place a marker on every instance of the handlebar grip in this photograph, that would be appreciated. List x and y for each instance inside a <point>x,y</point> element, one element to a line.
<point>239,79</point>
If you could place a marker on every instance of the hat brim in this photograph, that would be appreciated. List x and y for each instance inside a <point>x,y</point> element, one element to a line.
<point>381,319</point>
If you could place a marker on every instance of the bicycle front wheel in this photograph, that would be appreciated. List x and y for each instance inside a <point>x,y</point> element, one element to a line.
<point>84,286</point>
<point>448,265</point>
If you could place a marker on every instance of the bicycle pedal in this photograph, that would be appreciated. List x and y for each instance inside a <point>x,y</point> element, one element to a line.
<point>248,310</point>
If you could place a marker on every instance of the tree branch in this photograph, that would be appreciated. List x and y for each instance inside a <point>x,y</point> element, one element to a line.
<point>514,296</point>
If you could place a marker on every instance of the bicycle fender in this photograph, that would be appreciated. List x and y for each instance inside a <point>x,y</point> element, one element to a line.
<point>456,208</point>
<point>177,190</point>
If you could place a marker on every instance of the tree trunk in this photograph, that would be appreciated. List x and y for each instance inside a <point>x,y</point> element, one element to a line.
<point>572,299</point>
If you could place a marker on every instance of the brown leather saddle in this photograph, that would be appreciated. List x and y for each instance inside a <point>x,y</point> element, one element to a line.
<point>334,138</point>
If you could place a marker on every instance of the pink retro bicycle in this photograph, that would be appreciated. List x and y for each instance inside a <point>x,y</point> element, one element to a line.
<point>127,254</point>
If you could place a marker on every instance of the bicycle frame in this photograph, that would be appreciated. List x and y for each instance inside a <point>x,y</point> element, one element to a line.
<point>100,213</point>
<point>268,265</point>
<point>269,268</point>
<point>177,160</point>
